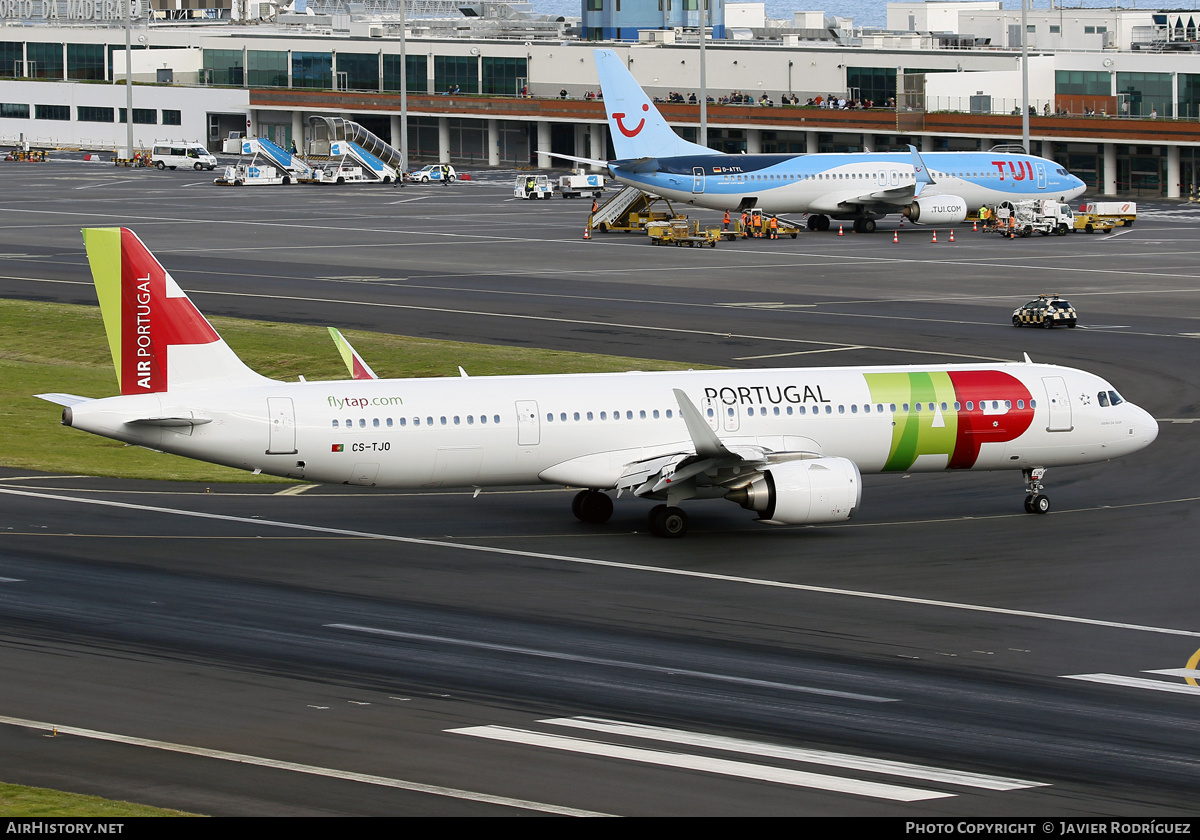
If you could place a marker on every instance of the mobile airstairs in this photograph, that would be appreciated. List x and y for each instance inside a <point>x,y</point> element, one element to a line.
<point>355,155</point>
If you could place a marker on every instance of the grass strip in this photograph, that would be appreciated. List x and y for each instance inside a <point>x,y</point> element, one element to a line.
<point>18,801</point>
<point>53,347</point>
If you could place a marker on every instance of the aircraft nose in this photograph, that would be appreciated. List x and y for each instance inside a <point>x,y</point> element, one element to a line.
<point>1145,427</point>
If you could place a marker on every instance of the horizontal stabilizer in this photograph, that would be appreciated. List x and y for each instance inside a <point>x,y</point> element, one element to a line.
<point>592,161</point>
<point>62,399</point>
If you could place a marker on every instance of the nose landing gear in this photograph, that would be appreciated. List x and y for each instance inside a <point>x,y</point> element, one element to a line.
<point>1035,500</point>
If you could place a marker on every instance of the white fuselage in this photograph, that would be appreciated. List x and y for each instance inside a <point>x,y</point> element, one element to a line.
<point>838,184</point>
<point>584,429</point>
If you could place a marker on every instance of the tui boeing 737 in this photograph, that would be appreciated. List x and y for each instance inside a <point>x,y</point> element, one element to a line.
<point>788,444</point>
<point>934,188</point>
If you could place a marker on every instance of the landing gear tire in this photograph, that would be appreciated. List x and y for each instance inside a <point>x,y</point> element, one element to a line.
<point>592,506</point>
<point>667,521</point>
<point>1035,500</point>
<point>864,225</point>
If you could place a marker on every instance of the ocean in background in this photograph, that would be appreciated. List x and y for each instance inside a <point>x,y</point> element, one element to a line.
<point>864,12</point>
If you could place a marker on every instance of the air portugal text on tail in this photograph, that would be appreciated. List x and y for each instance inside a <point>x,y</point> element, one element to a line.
<point>157,337</point>
<point>933,188</point>
<point>788,444</point>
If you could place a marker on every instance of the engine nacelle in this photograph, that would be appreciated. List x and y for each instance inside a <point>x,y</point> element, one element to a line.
<point>936,210</point>
<point>812,491</point>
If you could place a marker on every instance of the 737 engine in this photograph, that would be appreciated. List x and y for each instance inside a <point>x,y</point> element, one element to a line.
<point>811,491</point>
<point>936,210</point>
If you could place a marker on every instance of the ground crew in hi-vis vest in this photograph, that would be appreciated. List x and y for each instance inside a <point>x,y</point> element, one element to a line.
<point>726,220</point>
<point>774,227</point>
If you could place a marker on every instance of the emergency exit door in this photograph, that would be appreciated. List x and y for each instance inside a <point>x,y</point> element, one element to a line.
<point>529,431</point>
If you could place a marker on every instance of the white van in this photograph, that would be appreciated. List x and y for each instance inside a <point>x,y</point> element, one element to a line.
<point>189,155</point>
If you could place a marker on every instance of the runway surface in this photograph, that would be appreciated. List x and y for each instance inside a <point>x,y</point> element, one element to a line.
<point>257,650</point>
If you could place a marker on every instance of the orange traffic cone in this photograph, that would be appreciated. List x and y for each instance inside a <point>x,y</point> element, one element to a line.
<point>975,227</point>
<point>840,233</point>
<point>951,234</point>
<point>935,237</point>
<point>587,231</point>
<point>895,236</point>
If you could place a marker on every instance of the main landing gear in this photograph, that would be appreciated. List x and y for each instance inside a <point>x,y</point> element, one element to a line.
<point>596,508</point>
<point>668,521</point>
<point>864,225</point>
<point>1035,500</point>
<point>818,221</point>
<point>592,506</point>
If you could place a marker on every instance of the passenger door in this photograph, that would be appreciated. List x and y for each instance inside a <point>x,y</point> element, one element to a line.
<point>1059,404</point>
<point>282,434</point>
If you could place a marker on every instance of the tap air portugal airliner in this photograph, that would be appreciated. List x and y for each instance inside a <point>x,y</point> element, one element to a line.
<point>934,188</point>
<point>789,444</point>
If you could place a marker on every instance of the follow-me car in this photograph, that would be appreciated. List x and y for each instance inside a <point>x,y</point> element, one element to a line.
<point>788,444</point>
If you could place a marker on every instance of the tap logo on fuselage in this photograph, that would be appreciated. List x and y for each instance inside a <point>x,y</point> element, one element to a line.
<point>617,118</point>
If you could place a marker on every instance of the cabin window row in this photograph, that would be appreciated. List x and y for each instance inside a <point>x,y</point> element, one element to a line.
<point>655,414</point>
<point>878,408</point>
<point>402,422</point>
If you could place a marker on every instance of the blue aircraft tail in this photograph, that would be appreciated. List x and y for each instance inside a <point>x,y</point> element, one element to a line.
<point>638,130</point>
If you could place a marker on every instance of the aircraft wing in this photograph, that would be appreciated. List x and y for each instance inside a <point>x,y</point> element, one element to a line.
<point>711,461</point>
<point>897,195</point>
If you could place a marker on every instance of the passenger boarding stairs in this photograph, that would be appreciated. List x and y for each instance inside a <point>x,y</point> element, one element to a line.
<point>371,165</point>
<point>627,210</point>
<point>324,131</point>
<point>290,164</point>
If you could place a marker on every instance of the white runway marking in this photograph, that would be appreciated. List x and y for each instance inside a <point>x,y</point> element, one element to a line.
<point>1193,673</point>
<point>614,663</point>
<point>705,764</point>
<point>584,561</point>
<point>1136,682</point>
<point>309,769</point>
<point>106,184</point>
<point>830,759</point>
<point>799,353</point>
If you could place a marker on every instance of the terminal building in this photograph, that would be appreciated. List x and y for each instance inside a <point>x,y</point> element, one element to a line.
<point>1114,93</point>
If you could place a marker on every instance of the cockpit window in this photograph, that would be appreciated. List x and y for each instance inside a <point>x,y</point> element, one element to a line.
<point>1102,397</point>
<point>1115,397</point>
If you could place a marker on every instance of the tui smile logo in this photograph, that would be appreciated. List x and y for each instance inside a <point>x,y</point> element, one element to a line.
<point>621,125</point>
